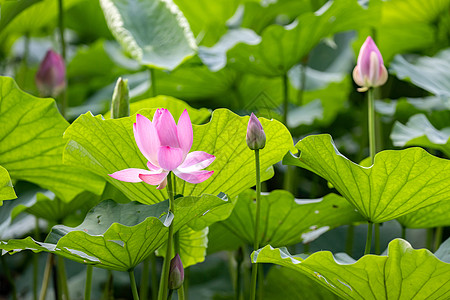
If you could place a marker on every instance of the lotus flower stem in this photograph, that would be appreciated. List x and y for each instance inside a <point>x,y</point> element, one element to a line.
<point>176,240</point>
<point>63,51</point>
<point>154,276</point>
<point>36,260</point>
<point>164,282</point>
<point>377,238</point>
<point>257,221</point>
<point>133,285</point>
<point>350,239</point>
<point>371,119</point>
<point>45,280</point>
<point>88,286</point>
<point>369,238</point>
<point>143,292</point>
<point>64,290</point>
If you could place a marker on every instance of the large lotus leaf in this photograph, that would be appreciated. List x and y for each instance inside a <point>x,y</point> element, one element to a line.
<point>288,284</point>
<point>436,215</point>
<point>32,144</point>
<point>117,236</point>
<point>207,19</point>
<point>6,187</point>
<point>106,146</point>
<point>429,73</point>
<point>418,131</point>
<point>11,9</point>
<point>286,220</point>
<point>404,273</point>
<point>404,108</point>
<point>175,106</point>
<point>154,32</point>
<point>282,47</point>
<point>399,182</point>
<point>193,245</point>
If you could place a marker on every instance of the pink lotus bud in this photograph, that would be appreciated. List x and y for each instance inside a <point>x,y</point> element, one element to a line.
<point>51,76</point>
<point>256,138</point>
<point>176,273</point>
<point>369,70</point>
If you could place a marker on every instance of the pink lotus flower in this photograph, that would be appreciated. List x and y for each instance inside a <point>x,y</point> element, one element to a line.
<point>51,76</point>
<point>256,138</point>
<point>369,70</point>
<point>166,146</point>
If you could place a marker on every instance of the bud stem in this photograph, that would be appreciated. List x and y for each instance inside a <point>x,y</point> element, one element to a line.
<point>133,285</point>
<point>88,286</point>
<point>257,221</point>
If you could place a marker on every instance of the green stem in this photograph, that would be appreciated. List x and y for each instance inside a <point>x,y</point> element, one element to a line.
<point>437,238</point>
<point>63,278</point>
<point>164,281</point>
<point>88,286</point>
<point>9,277</point>
<point>63,52</point>
<point>56,283</point>
<point>377,239</point>
<point>154,277</point>
<point>153,82</point>
<point>260,281</point>
<point>285,98</point>
<point>369,238</point>
<point>133,285</point>
<point>257,221</point>
<point>350,239</point>
<point>238,277</point>
<point>108,292</point>
<point>176,239</point>
<point>169,296</point>
<point>404,232</point>
<point>371,112</point>
<point>144,279</point>
<point>36,261</point>
<point>46,279</point>
<point>302,82</point>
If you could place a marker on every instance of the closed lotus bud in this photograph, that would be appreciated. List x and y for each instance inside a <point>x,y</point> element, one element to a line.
<point>176,273</point>
<point>369,71</point>
<point>256,138</point>
<point>51,76</point>
<point>120,105</point>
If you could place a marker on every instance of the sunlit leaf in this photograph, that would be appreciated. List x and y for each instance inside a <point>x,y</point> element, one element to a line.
<point>432,216</point>
<point>32,144</point>
<point>6,187</point>
<point>429,73</point>
<point>117,236</point>
<point>154,32</point>
<point>286,220</point>
<point>106,146</point>
<point>420,132</point>
<point>398,183</point>
<point>404,273</point>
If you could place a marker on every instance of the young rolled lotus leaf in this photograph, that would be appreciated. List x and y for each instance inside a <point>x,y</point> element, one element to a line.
<point>117,236</point>
<point>399,182</point>
<point>106,146</point>
<point>6,187</point>
<point>286,220</point>
<point>436,215</point>
<point>32,144</point>
<point>404,273</point>
<point>167,39</point>
<point>418,131</point>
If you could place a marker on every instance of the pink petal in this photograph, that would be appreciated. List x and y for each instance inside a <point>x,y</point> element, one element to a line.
<point>162,184</point>
<point>166,127</point>
<point>374,70</point>
<point>152,167</point>
<point>129,175</point>
<point>357,76</point>
<point>185,134</point>
<point>154,179</point>
<point>196,161</point>
<point>367,48</point>
<point>194,177</point>
<point>146,138</point>
<point>170,158</point>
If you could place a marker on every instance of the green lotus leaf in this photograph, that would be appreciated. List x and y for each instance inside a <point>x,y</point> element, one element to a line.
<point>154,32</point>
<point>436,215</point>
<point>282,47</point>
<point>400,181</point>
<point>286,220</point>
<point>418,131</point>
<point>288,284</point>
<point>32,144</point>
<point>405,273</point>
<point>6,187</point>
<point>117,236</point>
<point>106,146</point>
<point>429,73</point>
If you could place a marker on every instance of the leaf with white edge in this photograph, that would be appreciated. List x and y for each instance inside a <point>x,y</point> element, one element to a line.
<point>154,32</point>
<point>6,186</point>
<point>405,273</point>
<point>32,144</point>
<point>282,47</point>
<point>418,131</point>
<point>175,106</point>
<point>399,182</point>
<point>286,220</point>
<point>107,146</point>
<point>429,73</point>
<point>193,245</point>
<point>436,215</point>
<point>117,236</point>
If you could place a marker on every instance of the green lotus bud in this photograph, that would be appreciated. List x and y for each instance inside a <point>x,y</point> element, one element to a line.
<point>120,105</point>
<point>176,273</point>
